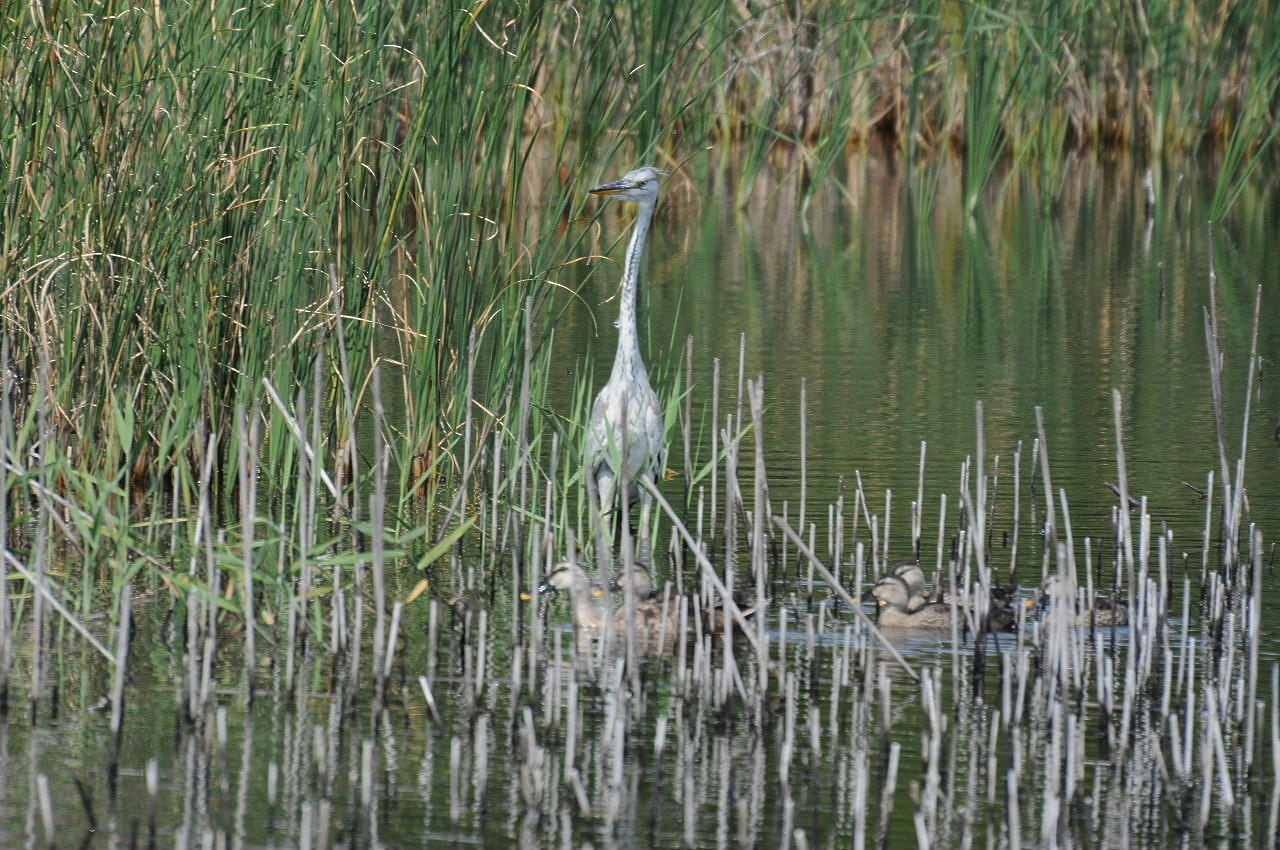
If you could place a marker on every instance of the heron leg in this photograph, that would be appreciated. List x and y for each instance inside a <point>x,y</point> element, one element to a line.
<point>606,483</point>
<point>644,547</point>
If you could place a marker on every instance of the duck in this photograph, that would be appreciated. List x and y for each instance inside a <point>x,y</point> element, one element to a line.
<point>1057,593</point>
<point>651,620</point>
<point>913,574</point>
<point>639,578</point>
<point>901,607</point>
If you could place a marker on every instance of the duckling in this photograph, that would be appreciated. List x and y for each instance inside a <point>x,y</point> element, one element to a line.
<point>640,579</point>
<point>911,572</point>
<point>650,620</point>
<point>1057,599</point>
<point>900,608</point>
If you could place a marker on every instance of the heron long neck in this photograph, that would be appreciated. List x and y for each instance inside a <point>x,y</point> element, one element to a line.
<point>626,361</point>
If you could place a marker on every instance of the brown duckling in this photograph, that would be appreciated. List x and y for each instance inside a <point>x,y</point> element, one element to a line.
<point>640,580</point>
<point>901,608</point>
<point>1058,599</point>
<point>651,619</point>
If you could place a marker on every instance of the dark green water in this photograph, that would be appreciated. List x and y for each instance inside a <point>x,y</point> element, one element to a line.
<point>899,314</point>
<point>899,320</point>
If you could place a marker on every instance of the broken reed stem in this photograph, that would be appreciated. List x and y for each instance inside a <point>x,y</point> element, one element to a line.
<point>45,595</point>
<point>804,452</point>
<point>917,509</point>
<point>1050,527</point>
<point>377,519</point>
<point>247,446</point>
<point>1126,530</point>
<point>844,595</point>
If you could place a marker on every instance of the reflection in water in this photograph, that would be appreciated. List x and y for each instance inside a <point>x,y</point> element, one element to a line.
<point>1057,738</point>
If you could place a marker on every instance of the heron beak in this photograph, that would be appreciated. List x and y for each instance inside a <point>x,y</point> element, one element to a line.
<point>611,188</point>
<point>526,596</point>
<point>597,592</point>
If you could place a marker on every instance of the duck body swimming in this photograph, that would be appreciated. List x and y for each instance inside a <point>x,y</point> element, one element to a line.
<point>1059,602</point>
<point>904,602</point>
<point>899,608</point>
<point>657,616</point>
<point>714,618</point>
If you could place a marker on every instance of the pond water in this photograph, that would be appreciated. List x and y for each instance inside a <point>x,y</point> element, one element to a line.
<point>899,321</point>
<point>891,314</point>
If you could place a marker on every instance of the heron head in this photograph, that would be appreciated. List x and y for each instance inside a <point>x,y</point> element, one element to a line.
<point>638,185</point>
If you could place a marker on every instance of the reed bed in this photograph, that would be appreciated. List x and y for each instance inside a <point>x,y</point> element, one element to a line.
<point>361,712</point>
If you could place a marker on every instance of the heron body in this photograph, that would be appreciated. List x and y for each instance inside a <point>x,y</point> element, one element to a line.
<point>626,438</point>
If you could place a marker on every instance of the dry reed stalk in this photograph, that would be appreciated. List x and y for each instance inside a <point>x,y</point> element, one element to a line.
<point>45,805</point>
<point>1254,636</point>
<point>247,445</point>
<point>762,507</point>
<point>124,623</point>
<point>844,594</point>
<point>377,518</point>
<point>6,450</point>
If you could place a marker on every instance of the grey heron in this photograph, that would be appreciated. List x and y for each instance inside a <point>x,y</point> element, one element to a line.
<point>626,438</point>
